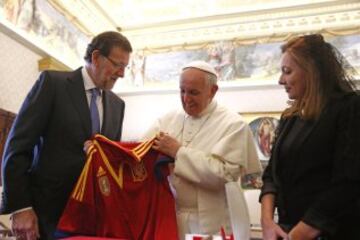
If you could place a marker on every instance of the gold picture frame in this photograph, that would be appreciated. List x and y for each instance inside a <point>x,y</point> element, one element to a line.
<point>250,116</point>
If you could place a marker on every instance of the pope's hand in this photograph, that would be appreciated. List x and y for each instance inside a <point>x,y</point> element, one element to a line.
<point>166,144</point>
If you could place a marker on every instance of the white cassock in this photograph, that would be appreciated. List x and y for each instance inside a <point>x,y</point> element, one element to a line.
<point>216,147</point>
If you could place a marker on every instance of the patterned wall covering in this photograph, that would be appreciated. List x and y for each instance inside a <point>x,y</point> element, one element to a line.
<point>6,120</point>
<point>18,72</point>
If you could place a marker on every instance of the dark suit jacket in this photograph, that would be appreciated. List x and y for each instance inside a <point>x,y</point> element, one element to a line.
<point>323,180</point>
<point>44,151</point>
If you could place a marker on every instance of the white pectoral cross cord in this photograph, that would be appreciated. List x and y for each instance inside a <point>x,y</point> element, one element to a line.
<point>191,127</point>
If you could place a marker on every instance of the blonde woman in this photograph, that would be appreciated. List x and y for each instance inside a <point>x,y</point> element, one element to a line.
<point>313,176</point>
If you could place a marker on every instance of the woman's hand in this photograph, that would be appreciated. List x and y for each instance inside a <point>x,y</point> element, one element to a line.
<point>303,231</point>
<point>272,231</point>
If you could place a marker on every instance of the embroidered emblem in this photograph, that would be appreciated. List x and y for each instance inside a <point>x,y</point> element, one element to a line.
<point>100,172</point>
<point>104,185</point>
<point>138,171</point>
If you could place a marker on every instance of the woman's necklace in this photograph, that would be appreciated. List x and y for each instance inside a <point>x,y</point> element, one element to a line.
<point>184,142</point>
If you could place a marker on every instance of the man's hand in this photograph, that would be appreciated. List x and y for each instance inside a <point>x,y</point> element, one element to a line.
<point>166,144</point>
<point>24,225</point>
<point>87,145</point>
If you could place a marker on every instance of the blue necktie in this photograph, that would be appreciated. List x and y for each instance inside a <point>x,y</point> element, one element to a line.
<point>94,111</point>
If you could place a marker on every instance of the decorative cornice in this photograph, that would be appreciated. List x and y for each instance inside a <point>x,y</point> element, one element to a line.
<point>86,15</point>
<point>241,23</point>
<point>247,17</point>
<point>258,26</point>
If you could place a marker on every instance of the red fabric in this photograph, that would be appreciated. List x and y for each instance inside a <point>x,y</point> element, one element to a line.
<point>136,209</point>
<point>90,238</point>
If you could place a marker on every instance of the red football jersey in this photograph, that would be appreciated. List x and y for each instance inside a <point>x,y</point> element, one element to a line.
<point>118,196</point>
<point>89,238</point>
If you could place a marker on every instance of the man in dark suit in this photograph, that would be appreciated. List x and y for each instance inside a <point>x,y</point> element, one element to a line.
<point>44,154</point>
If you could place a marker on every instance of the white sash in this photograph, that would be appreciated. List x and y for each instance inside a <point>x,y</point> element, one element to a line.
<point>239,213</point>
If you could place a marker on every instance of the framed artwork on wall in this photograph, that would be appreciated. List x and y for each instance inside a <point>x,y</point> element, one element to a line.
<point>263,130</point>
<point>263,127</point>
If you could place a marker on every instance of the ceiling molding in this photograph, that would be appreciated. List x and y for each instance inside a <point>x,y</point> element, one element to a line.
<point>84,14</point>
<point>243,22</point>
<point>254,15</point>
<point>244,30</point>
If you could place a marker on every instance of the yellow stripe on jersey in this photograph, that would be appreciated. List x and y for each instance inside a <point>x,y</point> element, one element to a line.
<point>118,179</point>
<point>79,190</point>
<point>142,149</point>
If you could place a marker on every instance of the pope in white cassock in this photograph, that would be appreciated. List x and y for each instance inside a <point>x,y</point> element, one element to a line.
<point>211,147</point>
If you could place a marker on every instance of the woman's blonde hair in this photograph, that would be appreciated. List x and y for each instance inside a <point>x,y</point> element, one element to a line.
<point>325,74</point>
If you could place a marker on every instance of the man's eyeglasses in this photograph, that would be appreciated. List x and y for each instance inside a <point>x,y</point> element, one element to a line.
<point>116,65</point>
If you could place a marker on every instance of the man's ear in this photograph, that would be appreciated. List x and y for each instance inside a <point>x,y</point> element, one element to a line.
<point>95,57</point>
<point>214,89</point>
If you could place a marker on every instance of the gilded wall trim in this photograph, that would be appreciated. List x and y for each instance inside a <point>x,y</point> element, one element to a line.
<point>49,63</point>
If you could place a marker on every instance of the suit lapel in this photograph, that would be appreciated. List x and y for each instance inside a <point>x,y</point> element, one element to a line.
<point>305,133</point>
<point>283,131</point>
<point>78,96</point>
<point>300,141</point>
